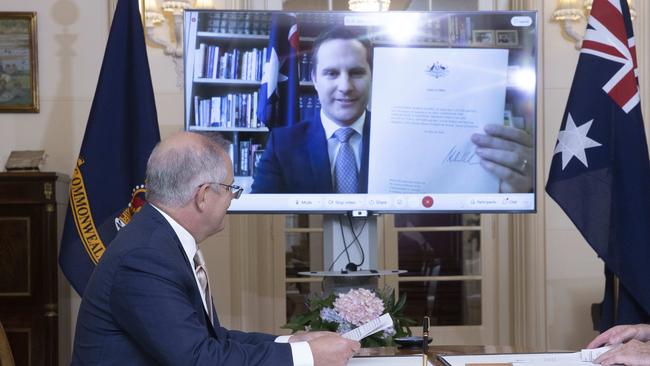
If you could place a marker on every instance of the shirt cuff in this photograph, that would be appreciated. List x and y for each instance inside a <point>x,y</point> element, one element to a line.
<point>300,351</point>
<point>283,339</point>
<point>301,354</point>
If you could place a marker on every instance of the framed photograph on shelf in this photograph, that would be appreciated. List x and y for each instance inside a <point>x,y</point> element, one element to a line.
<point>483,37</point>
<point>507,38</point>
<point>18,62</point>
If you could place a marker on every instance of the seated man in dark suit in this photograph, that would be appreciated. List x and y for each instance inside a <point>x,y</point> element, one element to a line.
<point>148,302</point>
<point>329,154</point>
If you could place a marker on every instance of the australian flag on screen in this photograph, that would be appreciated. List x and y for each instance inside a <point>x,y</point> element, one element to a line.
<point>600,172</point>
<point>107,185</point>
<point>278,95</point>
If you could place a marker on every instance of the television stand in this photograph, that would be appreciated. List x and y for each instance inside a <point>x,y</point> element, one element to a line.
<point>343,281</point>
<point>350,239</point>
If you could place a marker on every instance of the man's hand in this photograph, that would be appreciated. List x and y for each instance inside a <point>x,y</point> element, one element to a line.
<point>632,353</point>
<point>333,350</point>
<point>507,153</point>
<point>308,336</point>
<point>620,334</point>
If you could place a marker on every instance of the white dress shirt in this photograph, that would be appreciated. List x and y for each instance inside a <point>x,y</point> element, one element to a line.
<point>300,351</point>
<point>333,143</point>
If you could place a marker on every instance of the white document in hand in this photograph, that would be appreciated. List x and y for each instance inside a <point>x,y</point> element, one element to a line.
<point>376,325</point>
<point>426,104</point>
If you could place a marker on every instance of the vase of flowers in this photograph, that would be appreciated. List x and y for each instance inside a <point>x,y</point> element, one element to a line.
<point>345,311</point>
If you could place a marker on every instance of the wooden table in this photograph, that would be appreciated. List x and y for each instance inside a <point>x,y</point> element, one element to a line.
<point>434,351</point>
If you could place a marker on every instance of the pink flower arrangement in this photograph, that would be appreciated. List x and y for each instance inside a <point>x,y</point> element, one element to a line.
<point>343,312</point>
<point>359,306</point>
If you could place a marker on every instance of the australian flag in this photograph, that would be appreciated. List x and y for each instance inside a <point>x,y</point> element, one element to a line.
<point>107,184</point>
<point>278,95</point>
<point>600,172</point>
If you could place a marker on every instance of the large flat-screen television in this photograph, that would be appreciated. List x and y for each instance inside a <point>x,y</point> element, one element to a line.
<point>378,112</point>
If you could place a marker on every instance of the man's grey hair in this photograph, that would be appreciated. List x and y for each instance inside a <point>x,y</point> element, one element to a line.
<point>174,174</point>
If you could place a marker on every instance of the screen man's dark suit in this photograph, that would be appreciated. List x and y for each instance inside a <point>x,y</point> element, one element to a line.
<point>142,306</point>
<point>296,160</point>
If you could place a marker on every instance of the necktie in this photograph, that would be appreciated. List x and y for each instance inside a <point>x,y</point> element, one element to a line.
<point>345,167</point>
<point>202,275</point>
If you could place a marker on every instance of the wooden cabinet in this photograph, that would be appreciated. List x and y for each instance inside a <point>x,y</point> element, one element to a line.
<point>31,208</point>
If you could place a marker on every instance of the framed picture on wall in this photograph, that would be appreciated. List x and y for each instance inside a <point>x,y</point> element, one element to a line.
<point>483,37</point>
<point>507,38</point>
<point>18,62</point>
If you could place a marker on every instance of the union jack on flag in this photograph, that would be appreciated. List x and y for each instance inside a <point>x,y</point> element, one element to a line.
<point>600,172</point>
<point>607,37</point>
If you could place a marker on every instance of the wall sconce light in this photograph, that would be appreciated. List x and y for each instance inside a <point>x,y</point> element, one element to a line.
<point>569,12</point>
<point>170,38</point>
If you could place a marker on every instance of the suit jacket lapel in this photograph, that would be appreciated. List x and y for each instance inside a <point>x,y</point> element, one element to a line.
<point>197,301</point>
<point>318,156</point>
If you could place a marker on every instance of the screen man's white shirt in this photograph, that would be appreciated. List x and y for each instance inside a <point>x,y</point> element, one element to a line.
<point>333,143</point>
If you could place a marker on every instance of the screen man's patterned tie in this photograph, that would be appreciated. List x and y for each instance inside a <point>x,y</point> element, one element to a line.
<point>346,175</point>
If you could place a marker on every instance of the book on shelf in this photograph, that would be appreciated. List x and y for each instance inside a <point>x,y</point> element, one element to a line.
<point>235,154</point>
<point>256,156</point>
<point>305,67</point>
<point>244,156</point>
<point>215,112</point>
<point>246,24</point>
<point>238,23</point>
<point>207,63</point>
<point>215,61</point>
<point>308,105</point>
<point>196,111</point>
<point>223,24</point>
<point>301,108</point>
<point>227,111</point>
<point>255,123</point>
<point>199,57</point>
<point>212,62</point>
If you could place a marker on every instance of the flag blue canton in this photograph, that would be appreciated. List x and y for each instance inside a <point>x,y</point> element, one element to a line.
<point>600,172</point>
<point>278,95</point>
<point>107,184</point>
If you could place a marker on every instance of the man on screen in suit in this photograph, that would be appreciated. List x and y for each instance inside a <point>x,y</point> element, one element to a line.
<point>148,301</point>
<point>306,157</point>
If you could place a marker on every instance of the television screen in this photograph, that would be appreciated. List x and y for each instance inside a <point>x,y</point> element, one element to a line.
<point>379,112</point>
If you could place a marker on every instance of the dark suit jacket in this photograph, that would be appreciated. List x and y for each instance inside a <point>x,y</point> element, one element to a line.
<point>295,160</point>
<point>142,306</point>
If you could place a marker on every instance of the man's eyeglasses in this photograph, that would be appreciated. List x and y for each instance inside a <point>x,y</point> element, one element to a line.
<point>236,191</point>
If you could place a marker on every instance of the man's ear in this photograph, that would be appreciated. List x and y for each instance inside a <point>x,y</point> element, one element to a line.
<point>200,197</point>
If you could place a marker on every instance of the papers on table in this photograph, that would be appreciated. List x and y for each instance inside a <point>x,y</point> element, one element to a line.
<point>388,361</point>
<point>589,355</point>
<point>376,325</point>
<point>582,358</point>
<point>426,104</point>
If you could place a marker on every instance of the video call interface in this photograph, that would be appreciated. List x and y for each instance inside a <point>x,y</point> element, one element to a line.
<point>383,112</point>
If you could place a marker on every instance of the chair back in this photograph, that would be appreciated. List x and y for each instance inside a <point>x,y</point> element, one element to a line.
<point>6,358</point>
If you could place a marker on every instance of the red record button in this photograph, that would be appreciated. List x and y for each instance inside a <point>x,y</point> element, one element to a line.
<point>427,201</point>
